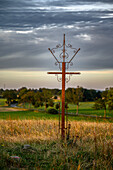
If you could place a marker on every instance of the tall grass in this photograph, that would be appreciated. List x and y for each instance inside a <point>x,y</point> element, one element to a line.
<point>28,130</point>
<point>90,145</point>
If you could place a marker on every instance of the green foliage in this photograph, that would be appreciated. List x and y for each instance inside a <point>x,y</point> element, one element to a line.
<point>38,99</point>
<point>50,103</point>
<point>80,94</point>
<point>104,94</point>
<point>10,95</point>
<point>57,106</point>
<point>1,92</point>
<point>52,111</point>
<point>28,97</point>
<point>66,105</point>
<point>96,106</point>
<point>74,95</point>
<point>46,95</point>
<point>22,91</point>
<point>100,104</point>
<point>107,99</point>
<point>46,105</point>
<point>38,104</point>
<point>110,99</point>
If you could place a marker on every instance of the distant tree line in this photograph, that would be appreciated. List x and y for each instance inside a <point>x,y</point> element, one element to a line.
<point>82,93</point>
<point>44,96</point>
<point>35,97</point>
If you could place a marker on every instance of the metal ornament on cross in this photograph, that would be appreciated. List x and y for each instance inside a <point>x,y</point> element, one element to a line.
<point>63,65</point>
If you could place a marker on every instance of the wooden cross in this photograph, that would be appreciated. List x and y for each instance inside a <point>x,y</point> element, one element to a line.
<point>63,80</point>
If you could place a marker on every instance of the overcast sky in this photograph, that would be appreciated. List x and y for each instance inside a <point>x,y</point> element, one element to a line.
<point>29,27</point>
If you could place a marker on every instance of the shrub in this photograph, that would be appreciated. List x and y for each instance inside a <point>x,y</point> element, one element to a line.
<point>57,106</point>
<point>51,103</point>
<point>66,105</point>
<point>38,104</point>
<point>52,111</point>
<point>46,105</point>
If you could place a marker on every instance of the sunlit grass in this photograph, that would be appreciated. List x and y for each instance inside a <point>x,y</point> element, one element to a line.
<point>3,102</point>
<point>90,145</point>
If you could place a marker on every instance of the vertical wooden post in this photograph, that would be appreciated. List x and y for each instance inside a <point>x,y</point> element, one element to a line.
<point>63,101</point>
<point>63,92</point>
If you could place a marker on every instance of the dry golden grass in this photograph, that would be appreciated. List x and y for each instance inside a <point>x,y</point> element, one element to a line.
<point>90,144</point>
<point>33,130</point>
<point>28,130</point>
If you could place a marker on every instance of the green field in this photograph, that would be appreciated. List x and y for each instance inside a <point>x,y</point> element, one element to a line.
<point>3,102</point>
<point>30,115</point>
<point>85,108</point>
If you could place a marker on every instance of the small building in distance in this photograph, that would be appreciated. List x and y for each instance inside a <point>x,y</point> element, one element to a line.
<point>56,97</point>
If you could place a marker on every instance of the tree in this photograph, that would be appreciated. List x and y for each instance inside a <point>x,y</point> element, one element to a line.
<point>22,91</point>
<point>104,99</point>
<point>69,96</point>
<point>28,97</point>
<point>110,99</point>
<point>38,99</point>
<point>10,95</point>
<point>46,96</point>
<point>101,103</point>
<point>91,94</point>
<point>74,96</point>
<point>57,106</point>
<point>77,96</point>
<point>1,92</point>
<point>50,102</point>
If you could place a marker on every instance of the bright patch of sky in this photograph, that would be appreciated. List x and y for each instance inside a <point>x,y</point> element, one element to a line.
<point>84,37</point>
<point>89,7</point>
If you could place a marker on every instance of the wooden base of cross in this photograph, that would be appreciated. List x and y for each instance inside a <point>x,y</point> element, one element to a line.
<point>63,83</point>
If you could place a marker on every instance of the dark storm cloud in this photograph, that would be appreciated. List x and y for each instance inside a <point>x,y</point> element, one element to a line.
<point>29,27</point>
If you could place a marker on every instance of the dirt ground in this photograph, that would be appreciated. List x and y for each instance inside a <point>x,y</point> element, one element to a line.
<point>8,109</point>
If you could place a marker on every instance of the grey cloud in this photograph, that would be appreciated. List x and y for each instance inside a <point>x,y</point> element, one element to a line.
<point>28,30</point>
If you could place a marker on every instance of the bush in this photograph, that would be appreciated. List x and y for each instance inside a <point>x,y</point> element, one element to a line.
<point>66,105</point>
<point>51,103</point>
<point>57,106</point>
<point>47,105</point>
<point>52,111</point>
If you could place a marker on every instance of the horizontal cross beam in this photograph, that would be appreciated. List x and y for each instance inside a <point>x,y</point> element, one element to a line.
<point>61,72</point>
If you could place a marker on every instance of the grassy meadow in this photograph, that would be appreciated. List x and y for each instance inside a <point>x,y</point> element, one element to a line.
<point>85,108</point>
<point>90,145</point>
<point>3,102</point>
